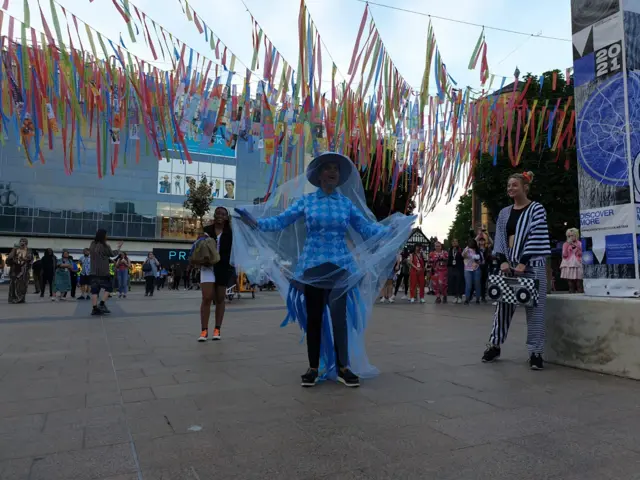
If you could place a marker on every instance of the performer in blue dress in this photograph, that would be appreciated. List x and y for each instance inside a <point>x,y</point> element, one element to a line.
<point>329,258</point>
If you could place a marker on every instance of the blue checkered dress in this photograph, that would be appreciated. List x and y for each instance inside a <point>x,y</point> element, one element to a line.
<point>327,218</point>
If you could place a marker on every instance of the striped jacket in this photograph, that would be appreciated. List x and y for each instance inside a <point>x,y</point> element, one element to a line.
<point>532,235</point>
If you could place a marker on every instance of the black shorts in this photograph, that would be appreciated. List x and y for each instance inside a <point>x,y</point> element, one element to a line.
<point>85,280</point>
<point>101,283</point>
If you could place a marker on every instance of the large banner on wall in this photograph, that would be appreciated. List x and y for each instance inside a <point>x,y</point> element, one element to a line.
<point>607,96</point>
<point>173,177</point>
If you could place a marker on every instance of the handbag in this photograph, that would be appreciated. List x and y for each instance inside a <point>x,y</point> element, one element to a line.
<point>523,291</point>
<point>206,253</point>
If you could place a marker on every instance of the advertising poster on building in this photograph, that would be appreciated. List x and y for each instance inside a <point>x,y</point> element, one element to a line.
<point>173,178</point>
<point>607,99</point>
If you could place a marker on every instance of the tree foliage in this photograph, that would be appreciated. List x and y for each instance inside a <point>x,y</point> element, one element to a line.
<point>555,183</point>
<point>462,223</point>
<point>199,197</point>
<point>389,199</point>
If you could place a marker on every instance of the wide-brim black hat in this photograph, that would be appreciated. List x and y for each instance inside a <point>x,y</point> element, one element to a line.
<point>345,166</point>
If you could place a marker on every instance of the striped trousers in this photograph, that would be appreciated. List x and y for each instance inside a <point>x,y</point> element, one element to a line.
<point>535,315</point>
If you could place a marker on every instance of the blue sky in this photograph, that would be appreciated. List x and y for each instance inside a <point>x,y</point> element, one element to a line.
<point>404,35</point>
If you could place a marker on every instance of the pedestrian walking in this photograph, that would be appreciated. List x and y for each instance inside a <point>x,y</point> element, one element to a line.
<point>150,272</point>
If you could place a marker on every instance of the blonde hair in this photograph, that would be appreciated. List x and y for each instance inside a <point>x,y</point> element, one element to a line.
<point>526,178</point>
<point>573,231</point>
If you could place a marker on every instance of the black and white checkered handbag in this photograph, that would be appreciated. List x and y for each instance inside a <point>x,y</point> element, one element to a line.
<point>521,291</point>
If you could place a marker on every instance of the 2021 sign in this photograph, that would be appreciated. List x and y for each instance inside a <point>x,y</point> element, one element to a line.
<point>609,59</point>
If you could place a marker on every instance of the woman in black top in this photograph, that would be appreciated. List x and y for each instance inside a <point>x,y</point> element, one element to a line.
<point>455,264</point>
<point>215,280</point>
<point>49,263</point>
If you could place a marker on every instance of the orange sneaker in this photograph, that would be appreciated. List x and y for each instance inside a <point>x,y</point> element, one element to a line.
<point>216,334</point>
<point>204,336</point>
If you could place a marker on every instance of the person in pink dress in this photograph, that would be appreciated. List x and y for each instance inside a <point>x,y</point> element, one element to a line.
<point>571,266</point>
<point>417,274</point>
<point>438,262</point>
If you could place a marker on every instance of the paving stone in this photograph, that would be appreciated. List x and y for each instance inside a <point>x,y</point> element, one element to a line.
<point>101,435</point>
<point>137,395</point>
<point>150,381</point>
<point>16,469</point>
<point>235,410</point>
<point>31,443</point>
<point>503,425</point>
<point>109,461</point>
<point>181,449</point>
<point>103,399</point>
<point>26,422</point>
<point>85,416</point>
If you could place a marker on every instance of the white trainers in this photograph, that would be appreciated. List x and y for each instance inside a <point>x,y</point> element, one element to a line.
<point>383,300</point>
<point>413,300</point>
<point>404,297</point>
<point>392,300</point>
<point>422,300</point>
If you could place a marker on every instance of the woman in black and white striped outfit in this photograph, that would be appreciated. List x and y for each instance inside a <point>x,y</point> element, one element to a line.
<point>521,245</point>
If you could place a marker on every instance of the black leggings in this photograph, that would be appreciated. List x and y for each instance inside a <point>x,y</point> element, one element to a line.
<point>402,278</point>
<point>317,300</point>
<point>44,279</point>
<point>149,284</point>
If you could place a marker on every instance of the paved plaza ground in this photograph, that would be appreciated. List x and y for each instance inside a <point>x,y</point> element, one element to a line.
<point>133,396</point>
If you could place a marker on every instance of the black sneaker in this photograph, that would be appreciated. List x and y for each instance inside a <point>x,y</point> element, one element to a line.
<point>466,302</point>
<point>104,310</point>
<point>96,311</point>
<point>348,378</point>
<point>491,354</point>
<point>310,378</point>
<point>536,362</point>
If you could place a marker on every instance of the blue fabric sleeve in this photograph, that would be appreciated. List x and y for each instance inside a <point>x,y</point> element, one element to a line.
<point>363,226</point>
<point>283,220</point>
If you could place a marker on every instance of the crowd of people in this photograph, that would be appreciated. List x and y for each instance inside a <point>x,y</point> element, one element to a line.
<point>458,272</point>
<point>62,277</point>
<point>327,294</point>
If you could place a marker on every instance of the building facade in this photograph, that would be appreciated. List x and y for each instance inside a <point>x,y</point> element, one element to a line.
<point>140,203</point>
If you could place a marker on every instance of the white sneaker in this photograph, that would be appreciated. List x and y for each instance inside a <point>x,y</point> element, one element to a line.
<point>404,297</point>
<point>422,300</point>
<point>392,300</point>
<point>456,301</point>
<point>413,300</point>
<point>53,299</point>
<point>383,300</point>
